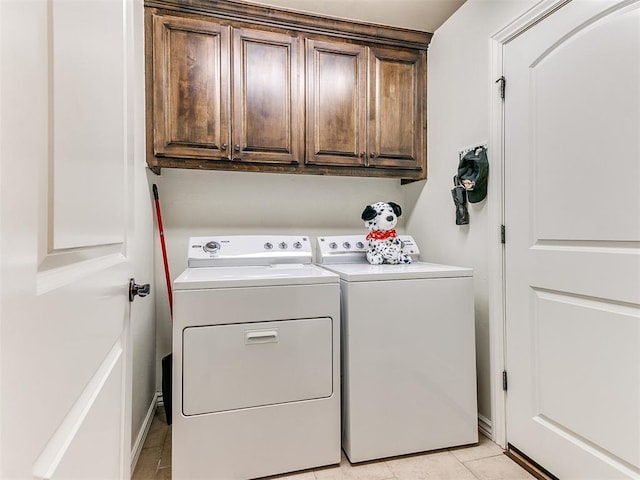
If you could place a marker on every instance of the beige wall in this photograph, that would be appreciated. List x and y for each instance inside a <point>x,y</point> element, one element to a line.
<point>143,311</point>
<point>458,117</point>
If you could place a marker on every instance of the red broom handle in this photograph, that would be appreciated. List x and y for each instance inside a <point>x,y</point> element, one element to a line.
<point>164,249</point>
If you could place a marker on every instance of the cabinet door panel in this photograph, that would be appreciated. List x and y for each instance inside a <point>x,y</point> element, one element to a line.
<point>191,88</point>
<point>336,103</point>
<point>266,118</point>
<point>398,103</point>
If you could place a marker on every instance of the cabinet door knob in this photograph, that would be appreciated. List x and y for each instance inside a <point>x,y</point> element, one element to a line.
<point>372,155</point>
<point>362,154</point>
<point>236,147</point>
<point>223,146</point>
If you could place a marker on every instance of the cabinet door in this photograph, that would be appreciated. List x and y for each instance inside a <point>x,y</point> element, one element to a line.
<point>397,121</point>
<point>336,103</point>
<point>190,88</point>
<point>267,118</point>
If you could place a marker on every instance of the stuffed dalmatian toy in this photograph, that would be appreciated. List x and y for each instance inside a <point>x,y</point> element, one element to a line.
<point>384,244</point>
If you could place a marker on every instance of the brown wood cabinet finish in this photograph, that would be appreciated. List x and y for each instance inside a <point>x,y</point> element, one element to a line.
<point>192,82</point>
<point>397,132</point>
<point>266,118</point>
<point>190,88</point>
<point>237,86</point>
<point>336,103</point>
<point>365,105</point>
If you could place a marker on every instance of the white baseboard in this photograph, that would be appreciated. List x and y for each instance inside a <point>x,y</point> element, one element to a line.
<point>142,435</point>
<point>485,426</point>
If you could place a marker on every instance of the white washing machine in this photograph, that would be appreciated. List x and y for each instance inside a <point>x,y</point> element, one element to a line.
<point>256,363</point>
<point>408,352</point>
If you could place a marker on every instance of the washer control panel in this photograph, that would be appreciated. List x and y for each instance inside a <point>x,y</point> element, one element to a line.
<point>235,250</point>
<point>353,248</point>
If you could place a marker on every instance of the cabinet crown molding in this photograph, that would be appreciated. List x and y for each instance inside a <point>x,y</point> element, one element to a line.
<point>298,21</point>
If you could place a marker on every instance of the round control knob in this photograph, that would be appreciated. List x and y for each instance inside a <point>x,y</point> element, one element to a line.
<point>268,246</point>
<point>211,247</point>
<point>333,245</point>
<point>346,245</point>
<point>297,245</point>
<point>283,245</point>
<point>360,245</point>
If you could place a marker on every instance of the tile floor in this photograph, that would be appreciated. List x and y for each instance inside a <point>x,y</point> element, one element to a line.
<point>484,461</point>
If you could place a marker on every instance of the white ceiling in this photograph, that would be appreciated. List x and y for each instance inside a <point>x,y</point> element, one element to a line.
<point>426,15</point>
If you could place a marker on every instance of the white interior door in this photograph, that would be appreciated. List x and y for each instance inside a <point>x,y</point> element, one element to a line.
<point>66,187</point>
<point>572,211</point>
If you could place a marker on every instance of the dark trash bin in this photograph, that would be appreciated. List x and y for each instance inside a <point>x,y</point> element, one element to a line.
<point>167,362</point>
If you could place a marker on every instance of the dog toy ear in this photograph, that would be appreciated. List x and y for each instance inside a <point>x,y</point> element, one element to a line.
<point>396,208</point>
<point>369,213</point>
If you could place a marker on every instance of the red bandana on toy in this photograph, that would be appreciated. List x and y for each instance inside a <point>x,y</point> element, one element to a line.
<point>378,235</point>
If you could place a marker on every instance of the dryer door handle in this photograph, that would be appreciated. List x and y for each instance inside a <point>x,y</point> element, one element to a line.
<point>252,337</point>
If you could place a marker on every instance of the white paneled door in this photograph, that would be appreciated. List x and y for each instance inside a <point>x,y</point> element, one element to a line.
<point>66,192</point>
<point>572,212</point>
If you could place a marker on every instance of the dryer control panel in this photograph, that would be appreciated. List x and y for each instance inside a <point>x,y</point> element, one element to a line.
<point>239,250</point>
<point>353,249</point>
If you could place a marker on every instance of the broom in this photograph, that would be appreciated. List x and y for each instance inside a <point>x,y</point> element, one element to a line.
<point>167,360</point>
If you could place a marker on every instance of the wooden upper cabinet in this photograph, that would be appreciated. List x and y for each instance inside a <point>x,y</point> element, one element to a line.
<point>267,121</point>
<point>397,128</point>
<point>239,86</point>
<point>336,103</point>
<point>190,88</point>
<point>365,106</point>
<point>193,80</point>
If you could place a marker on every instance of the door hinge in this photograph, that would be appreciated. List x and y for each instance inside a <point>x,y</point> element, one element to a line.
<point>503,234</point>
<point>504,380</point>
<point>503,85</point>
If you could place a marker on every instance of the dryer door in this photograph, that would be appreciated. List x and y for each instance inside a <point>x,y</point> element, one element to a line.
<point>229,367</point>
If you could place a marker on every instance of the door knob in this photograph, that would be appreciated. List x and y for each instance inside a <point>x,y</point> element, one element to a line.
<point>236,147</point>
<point>137,289</point>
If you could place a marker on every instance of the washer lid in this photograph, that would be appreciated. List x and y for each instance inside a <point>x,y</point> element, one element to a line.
<point>365,272</point>
<point>252,276</point>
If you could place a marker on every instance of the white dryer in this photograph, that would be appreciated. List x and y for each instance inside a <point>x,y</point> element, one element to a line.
<point>256,336</point>
<point>408,352</point>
